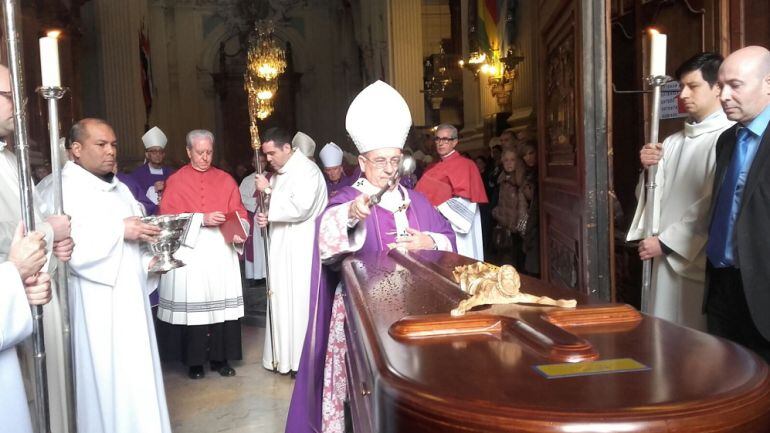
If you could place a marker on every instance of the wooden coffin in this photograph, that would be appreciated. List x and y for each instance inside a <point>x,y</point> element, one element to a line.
<point>413,368</point>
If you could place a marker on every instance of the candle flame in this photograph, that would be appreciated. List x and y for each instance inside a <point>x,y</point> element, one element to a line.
<point>54,34</point>
<point>654,31</point>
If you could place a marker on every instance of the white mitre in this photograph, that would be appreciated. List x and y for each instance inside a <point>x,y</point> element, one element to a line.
<point>154,138</point>
<point>378,118</point>
<point>331,155</point>
<point>304,143</point>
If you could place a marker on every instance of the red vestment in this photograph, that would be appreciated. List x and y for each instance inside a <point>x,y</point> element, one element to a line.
<point>453,176</point>
<point>190,190</point>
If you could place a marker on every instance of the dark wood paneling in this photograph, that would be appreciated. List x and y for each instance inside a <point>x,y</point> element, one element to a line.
<point>573,141</point>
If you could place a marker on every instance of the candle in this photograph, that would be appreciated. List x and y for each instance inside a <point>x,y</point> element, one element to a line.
<point>657,53</point>
<point>49,60</point>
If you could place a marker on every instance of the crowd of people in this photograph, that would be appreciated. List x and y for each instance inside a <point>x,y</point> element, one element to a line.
<point>713,201</point>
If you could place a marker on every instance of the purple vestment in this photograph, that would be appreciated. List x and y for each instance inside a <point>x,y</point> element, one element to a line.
<point>145,179</point>
<point>305,409</point>
<point>333,188</point>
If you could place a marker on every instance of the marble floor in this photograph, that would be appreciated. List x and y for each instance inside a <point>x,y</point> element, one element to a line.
<point>255,400</point>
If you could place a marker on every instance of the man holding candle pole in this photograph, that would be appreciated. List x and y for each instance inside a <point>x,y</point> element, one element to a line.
<point>683,195</point>
<point>738,291</point>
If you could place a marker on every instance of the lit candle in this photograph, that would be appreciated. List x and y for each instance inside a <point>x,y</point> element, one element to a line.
<point>49,60</point>
<point>657,53</point>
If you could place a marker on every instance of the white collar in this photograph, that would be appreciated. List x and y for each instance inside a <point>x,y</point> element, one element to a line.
<point>395,200</point>
<point>713,122</point>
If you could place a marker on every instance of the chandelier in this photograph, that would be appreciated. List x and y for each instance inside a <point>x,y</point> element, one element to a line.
<point>436,79</point>
<point>265,59</point>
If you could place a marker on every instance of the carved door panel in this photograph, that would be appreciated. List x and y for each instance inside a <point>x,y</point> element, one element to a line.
<point>572,140</point>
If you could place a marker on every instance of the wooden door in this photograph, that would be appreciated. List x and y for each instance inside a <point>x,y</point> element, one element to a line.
<point>572,105</point>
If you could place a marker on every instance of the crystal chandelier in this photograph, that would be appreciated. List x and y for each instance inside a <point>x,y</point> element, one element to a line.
<point>265,59</point>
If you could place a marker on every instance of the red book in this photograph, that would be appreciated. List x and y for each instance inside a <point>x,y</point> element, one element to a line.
<point>234,225</point>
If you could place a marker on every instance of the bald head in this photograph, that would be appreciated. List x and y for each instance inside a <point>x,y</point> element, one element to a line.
<point>745,81</point>
<point>6,103</point>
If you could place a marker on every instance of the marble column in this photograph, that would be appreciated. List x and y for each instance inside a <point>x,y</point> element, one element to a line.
<point>523,95</point>
<point>406,60</point>
<point>118,23</point>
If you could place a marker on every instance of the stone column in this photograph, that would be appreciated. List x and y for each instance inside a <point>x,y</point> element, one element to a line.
<point>405,37</point>
<point>118,23</point>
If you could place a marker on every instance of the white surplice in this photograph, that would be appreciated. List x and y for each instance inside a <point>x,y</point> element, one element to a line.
<point>15,326</point>
<point>118,374</point>
<point>465,218</point>
<point>298,197</point>
<point>10,215</point>
<point>254,269</point>
<point>684,182</point>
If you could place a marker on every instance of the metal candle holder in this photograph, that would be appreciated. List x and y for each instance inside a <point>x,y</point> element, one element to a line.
<point>52,95</point>
<point>656,82</point>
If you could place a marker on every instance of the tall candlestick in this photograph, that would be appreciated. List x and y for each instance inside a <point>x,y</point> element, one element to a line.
<point>49,60</point>
<point>657,53</point>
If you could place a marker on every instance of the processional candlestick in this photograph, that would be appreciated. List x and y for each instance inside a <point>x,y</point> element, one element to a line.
<point>52,91</point>
<point>16,67</point>
<point>265,61</point>
<point>656,80</point>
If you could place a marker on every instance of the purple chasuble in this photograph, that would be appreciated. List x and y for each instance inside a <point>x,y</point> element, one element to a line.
<point>305,409</point>
<point>333,188</point>
<point>145,179</point>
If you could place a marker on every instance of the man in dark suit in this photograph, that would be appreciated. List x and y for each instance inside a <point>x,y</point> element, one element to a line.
<point>737,300</point>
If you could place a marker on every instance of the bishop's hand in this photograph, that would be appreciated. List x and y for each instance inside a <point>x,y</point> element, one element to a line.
<point>134,229</point>
<point>416,240</point>
<point>650,248</point>
<point>359,208</point>
<point>651,154</point>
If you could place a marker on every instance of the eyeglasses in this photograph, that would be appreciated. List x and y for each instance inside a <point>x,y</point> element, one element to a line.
<point>382,162</point>
<point>444,139</point>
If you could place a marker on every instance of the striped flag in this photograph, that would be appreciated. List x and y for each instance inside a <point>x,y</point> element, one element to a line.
<point>491,21</point>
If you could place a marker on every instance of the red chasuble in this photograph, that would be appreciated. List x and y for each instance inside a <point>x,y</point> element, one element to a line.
<point>190,190</point>
<point>453,176</point>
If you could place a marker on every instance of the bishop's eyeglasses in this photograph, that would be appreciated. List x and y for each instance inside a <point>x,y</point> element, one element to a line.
<point>382,162</point>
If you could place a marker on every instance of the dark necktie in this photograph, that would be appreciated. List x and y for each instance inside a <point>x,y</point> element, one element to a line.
<point>720,247</point>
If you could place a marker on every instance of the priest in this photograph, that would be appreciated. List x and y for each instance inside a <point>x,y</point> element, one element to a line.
<point>403,218</point>
<point>455,187</point>
<point>151,176</point>
<point>119,381</point>
<point>201,303</point>
<point>297,196</point>
<point>331,158</point>
<point>686,163</point>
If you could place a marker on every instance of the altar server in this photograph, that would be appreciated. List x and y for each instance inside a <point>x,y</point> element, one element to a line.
<point>297,196</point>
<point>118,375</point>
<point>684,180</point>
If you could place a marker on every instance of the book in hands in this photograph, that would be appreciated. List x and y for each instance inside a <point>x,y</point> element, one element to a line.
<point>234,225</point>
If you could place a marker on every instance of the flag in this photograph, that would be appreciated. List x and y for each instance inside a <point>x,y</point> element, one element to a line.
<point>487,21</point>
